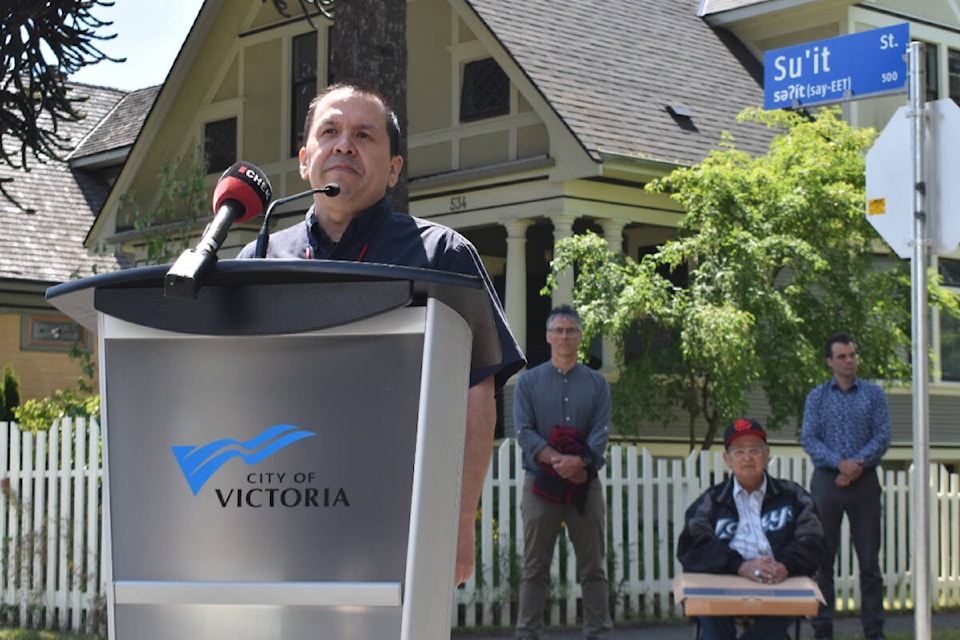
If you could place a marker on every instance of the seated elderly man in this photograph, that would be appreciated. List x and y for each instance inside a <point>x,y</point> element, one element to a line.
<point>762,528</point>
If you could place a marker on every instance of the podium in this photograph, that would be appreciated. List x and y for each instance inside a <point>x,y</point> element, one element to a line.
<point>282,455</point>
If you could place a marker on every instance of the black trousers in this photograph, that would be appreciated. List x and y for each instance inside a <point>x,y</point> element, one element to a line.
<point>861,502</point>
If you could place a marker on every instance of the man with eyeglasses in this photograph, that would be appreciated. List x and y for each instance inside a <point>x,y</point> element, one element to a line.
<point>846,432</point>
<point>753,525</point>
<point>561,413</point>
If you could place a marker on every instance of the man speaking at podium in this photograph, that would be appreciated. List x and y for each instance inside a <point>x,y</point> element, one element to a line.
<point>352,139</point>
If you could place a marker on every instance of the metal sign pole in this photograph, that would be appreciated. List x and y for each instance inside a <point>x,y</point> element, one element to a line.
<point>919,321</point>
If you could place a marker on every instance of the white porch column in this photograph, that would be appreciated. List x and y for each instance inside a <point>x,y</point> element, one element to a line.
<point>613,234</point>
<point>515,288</point>
<point>563,228</point>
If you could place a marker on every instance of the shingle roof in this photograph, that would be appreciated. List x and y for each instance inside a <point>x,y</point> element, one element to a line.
<point>610,68</point>
<point>46,245</point>
<point>120,127</point>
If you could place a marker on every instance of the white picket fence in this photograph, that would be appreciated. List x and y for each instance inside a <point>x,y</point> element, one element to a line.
<point>647,498</point>
<point>52,561</point>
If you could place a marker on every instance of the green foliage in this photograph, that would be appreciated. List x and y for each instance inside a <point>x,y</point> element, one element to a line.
<point>180,201</point>
<point>779,256</point>
<point>40,414</point>
<point>9,394</point>
<point>36,634</point>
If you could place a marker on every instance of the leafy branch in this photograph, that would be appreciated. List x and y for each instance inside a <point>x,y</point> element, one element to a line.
<point>773,255</point>
<point>43,44</point>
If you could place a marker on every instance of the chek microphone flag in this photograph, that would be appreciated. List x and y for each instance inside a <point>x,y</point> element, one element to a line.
<point>242,193</point>
<point>247,186</point>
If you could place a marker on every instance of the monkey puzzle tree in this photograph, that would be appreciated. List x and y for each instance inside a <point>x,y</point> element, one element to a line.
<point>43,43</point>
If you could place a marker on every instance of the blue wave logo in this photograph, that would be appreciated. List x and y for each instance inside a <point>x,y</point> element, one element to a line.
<point>200,463</point>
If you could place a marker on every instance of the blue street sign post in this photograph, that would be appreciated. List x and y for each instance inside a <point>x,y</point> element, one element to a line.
<point>851,67</point>
<point>864,65</point>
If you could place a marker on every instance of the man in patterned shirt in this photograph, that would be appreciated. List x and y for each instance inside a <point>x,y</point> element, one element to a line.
<point>846,431</point>
<point>756,526</point>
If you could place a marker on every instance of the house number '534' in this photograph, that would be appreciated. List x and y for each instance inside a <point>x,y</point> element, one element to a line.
<point>458,203</point>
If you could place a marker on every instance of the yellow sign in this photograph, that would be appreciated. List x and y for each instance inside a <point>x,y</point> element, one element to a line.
<point>876,206</point>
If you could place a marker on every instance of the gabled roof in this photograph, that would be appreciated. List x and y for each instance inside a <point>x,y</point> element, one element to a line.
<point>118,130</point>
<point>45,243</point>
<point>611,68</point>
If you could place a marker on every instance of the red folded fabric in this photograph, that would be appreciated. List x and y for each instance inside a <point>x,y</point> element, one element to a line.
<point>548,484</point>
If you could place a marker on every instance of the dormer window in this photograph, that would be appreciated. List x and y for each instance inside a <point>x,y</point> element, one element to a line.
<point>485,91</point>
<point>220,144</point>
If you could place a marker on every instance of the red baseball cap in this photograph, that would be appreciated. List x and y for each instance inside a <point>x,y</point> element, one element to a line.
<point>743,427</point>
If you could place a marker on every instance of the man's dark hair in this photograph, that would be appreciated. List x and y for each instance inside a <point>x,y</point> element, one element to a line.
<point>564,311</point>
<point>390,116</point>
<point>838,338</point>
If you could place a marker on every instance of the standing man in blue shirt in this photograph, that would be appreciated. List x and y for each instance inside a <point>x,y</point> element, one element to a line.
<point>846,431</point>
<point>561,412</point>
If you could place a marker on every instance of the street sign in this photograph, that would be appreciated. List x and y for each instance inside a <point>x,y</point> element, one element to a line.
<point>859,65</point>
<point>890,192</point>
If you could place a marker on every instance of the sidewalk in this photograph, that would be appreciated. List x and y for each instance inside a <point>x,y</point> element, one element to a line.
<point>896,622</point>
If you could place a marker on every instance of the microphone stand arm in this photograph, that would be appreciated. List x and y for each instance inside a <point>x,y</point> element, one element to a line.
<point>263,237</point>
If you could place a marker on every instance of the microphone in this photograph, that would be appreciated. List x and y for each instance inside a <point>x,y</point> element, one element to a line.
<point>331,190</point>
<point>241,194</point>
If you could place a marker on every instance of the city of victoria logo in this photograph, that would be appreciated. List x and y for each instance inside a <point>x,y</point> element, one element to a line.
<point>198,464</point>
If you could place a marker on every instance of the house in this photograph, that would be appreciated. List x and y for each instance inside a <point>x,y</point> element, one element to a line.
<point>42,235</point>
<point>581,106</point>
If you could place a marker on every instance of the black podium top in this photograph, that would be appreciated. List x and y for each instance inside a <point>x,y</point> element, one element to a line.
<point>262,297</point>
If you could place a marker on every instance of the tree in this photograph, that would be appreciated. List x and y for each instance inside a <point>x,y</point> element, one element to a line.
<point>779,256</point>
<point>369,45</point>
<point>9,394</point>
<point>43,43</point>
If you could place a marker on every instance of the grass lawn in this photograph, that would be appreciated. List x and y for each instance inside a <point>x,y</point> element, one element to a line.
<point>33,634</point>
<point>30,634</point>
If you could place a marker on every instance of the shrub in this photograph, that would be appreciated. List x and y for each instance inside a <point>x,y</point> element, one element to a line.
<point>9,394</point>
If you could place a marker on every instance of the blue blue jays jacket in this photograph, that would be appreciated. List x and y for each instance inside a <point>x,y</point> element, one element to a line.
<point>789,519</point>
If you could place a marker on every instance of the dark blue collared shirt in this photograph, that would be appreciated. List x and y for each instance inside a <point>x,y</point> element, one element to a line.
<point>380,235</point>
<point>852,424</point>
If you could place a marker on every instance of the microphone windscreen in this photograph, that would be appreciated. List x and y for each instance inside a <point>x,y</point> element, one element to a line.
<point>247,185</point>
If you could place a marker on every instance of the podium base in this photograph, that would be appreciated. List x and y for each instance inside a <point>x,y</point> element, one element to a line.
<point>256,622</point>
